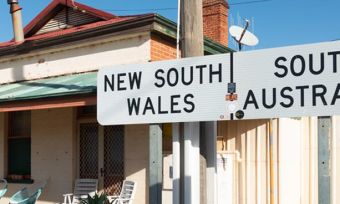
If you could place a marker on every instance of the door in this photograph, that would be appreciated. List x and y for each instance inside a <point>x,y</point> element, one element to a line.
<point>101,155</point>
<point>113,159</point>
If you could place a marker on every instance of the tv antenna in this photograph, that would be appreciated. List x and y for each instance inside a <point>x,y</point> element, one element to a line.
<point>242,36</point>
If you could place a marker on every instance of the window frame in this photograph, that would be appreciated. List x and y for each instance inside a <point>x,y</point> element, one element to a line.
<point>19,139</point>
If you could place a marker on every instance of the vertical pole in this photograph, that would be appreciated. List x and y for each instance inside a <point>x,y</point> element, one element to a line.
<point>324,179</point>
<point>176,147</point>
<point>192,28</point>
<point>271,161</point>
<point>191,45</point>
<point>178,29</point>
<point>155,164</point>
<point>181,141</point>
<point>208,150</point>
<point>176,152</point>
<point>191,163</point>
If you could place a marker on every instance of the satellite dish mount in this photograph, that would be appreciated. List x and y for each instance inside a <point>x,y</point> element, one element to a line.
<point>242,36</point>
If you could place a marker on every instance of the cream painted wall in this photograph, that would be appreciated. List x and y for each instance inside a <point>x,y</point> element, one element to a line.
<point>136,159</point>
<point>249,140</point>
<point>295,165</point>
<point>86,56</point>
<point>52,157</point>
<point>291,160</point>
<point>53,141</point>
<point>53,137</point>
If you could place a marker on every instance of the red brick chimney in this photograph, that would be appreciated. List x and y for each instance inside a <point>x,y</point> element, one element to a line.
<point>215,20</point>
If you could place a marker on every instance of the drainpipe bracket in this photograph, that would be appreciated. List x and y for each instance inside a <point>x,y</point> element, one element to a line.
<point>14,8</point>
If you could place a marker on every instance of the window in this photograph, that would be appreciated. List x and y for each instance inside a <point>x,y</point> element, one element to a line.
<point>19,146</point>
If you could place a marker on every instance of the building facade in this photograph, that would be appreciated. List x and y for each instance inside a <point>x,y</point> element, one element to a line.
<point>49,132</point>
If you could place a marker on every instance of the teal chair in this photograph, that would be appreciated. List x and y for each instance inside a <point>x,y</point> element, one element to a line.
<point>23,197</point>
<point>4,187</point>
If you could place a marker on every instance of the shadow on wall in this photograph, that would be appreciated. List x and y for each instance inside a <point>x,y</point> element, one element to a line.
<point>187,190</point>
<point>249,138</point>
<point>236,132</point>
<point>18,73</point>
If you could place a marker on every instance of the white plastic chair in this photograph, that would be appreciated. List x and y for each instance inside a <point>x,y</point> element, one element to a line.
<point>126,195</point>
<point>24,197</point>
<point>3,189</point>
<point>83,187</point>
<point>30,194</point>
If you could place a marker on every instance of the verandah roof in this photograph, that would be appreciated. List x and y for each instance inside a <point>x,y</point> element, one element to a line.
<point>84,83</point>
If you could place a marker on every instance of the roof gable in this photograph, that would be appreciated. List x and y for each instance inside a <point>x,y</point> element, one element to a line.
<point>61,14</point>
<point>67,18</point>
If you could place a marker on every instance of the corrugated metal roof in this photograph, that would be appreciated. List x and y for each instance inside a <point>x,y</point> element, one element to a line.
<point>50,87</point>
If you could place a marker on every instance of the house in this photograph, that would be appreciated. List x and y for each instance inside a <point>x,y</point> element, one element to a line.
<point>48,94</point>
<point>48,126</point>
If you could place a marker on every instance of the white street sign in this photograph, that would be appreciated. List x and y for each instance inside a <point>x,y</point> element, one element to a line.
<point>289,82</point>
<point>189,89</point>
<point>282,82</point>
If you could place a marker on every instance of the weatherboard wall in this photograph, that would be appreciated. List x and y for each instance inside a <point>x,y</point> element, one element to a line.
<point>295,159</point>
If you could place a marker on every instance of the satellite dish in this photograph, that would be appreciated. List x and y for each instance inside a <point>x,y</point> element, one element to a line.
<point>242,36</point>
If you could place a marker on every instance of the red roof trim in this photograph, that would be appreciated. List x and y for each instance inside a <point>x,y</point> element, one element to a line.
<point>54,7</point>
<point>77,29</point>
<point>41,17</point>
<point>70,31</point>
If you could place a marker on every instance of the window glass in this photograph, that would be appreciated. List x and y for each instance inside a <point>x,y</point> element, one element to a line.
<point>19,145</point>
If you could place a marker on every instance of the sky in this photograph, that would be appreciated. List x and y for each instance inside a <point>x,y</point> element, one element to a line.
<point>276,23</point>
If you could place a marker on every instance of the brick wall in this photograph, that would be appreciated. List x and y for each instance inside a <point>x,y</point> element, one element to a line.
<point>215,20</point>
<point>162,49</point>
<point>215,27</point>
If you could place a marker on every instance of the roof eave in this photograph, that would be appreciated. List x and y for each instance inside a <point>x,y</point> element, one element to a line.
<point>29,46</point>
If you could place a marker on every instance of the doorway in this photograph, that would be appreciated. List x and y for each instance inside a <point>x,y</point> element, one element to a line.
<point>101,155</point>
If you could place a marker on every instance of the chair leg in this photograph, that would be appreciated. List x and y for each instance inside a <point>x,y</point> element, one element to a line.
<point>67,200</point>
